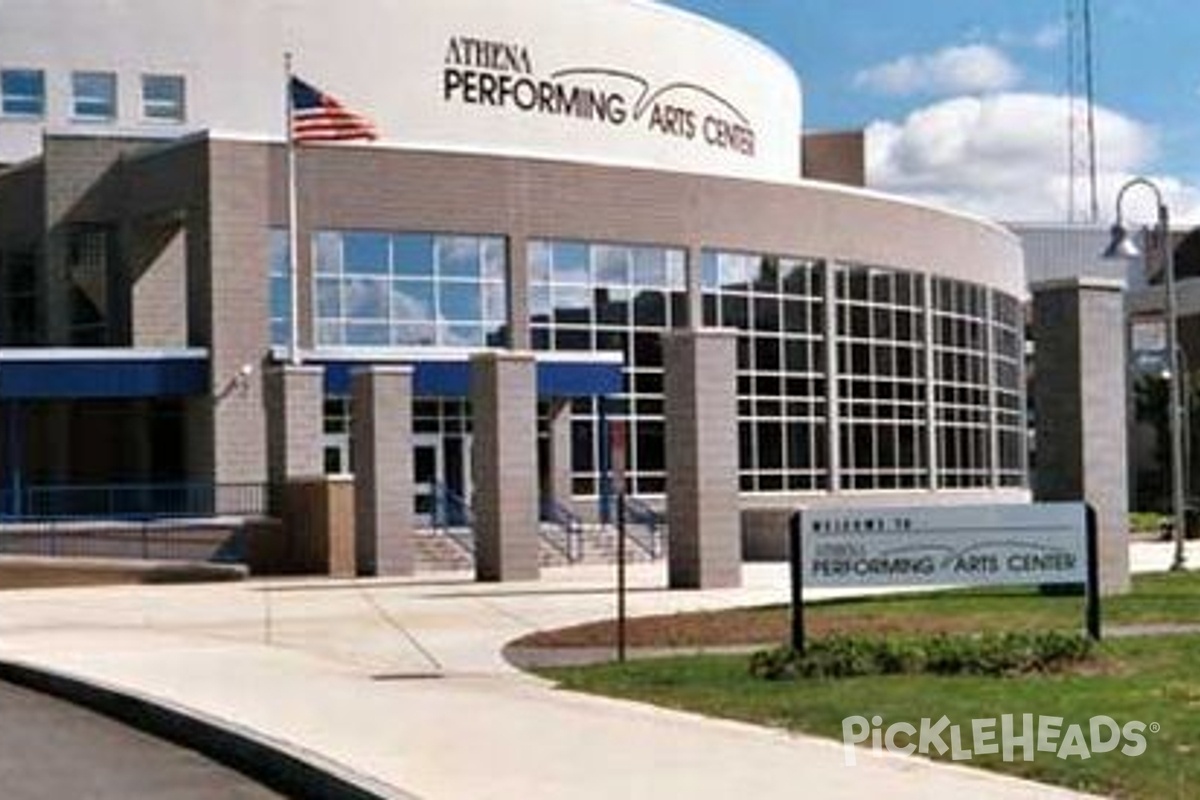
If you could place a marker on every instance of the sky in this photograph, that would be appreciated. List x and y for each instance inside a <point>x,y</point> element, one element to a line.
<point>964,101</point>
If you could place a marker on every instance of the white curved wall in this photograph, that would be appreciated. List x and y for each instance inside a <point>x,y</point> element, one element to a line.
<point>734,110</point>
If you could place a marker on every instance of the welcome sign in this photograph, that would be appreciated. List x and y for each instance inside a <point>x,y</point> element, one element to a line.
<point>970,545</point>
<point>984,545</point>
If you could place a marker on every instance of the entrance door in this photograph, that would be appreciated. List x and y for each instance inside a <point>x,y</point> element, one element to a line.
<point>442,474</point>
<point>427,471</point>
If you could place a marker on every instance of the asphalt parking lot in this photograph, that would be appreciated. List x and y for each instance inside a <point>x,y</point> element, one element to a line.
<point>52,750</point>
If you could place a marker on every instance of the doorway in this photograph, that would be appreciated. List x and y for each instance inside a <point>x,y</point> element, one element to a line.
<point>442,478</point>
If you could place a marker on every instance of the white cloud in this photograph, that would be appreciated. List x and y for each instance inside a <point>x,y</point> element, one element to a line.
<point>1048,37</point>
<point>964,69</point>
<point>1005,156</point>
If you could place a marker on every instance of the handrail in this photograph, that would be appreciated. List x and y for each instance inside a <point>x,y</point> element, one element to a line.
<point>641,514</point>
<point>132,501</point>
<point>451,514</point>
<point>563,519</point>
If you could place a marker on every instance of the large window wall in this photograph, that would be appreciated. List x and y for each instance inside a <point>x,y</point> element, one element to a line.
<point>778,306</point>
<point>925,375</point>
<point>381,289</point>
<point>881,378</point>
<point>600,297</point>
<point>1008,353</point>
<point>961,384</point>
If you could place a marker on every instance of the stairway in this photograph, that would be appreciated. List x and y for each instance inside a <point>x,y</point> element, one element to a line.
<point>435,552</point>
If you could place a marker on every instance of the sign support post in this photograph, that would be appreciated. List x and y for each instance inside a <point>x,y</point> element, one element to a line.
<point>1091,589</point>
<point>796,564</point>
<point>619,457</point>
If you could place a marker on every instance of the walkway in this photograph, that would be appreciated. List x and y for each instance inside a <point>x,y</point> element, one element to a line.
<point>50,749</point>
<point>402,682</point>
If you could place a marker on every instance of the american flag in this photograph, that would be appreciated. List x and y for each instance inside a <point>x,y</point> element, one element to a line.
<point>318,117</point>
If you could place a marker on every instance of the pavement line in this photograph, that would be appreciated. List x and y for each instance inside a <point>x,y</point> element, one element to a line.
<point>395,624</point>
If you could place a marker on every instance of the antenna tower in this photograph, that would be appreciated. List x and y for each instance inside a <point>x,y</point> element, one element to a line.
<point>1081,135</point>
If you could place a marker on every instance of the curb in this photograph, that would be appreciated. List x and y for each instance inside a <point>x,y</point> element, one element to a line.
<point>288,770</point>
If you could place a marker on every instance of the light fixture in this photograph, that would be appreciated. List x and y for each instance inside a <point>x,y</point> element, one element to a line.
<point>1122,245</point>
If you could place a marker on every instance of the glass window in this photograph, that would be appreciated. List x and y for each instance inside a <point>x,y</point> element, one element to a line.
<point>163,98</point>
<point>280,288</point>
<point>366,253</point>
<point>460,302</point>
<point>23,92</point>
<point>413,300</point>
<point>612,265</point>
<point>383,288</point>
<point>570,262</point>
<point>366,299</point>
<point>458,257</point>
<point>412,255</point>
<point>771,301</point>
<point>614,298</point>
<point>94,95</point>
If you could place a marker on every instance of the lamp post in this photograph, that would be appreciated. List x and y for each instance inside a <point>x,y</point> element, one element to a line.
<point>1123,246</point>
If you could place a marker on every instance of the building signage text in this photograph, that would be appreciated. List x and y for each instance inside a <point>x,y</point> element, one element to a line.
<point>993,545</point>
<point>481,72</point>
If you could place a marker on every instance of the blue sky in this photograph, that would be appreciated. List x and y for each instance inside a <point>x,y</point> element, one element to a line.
<point>987,77</point>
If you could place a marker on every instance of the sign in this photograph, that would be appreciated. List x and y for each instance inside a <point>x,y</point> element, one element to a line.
<point>503,76</point>
<point>971,546</point>
<point>1044,543</point>
<point>1149,336</point>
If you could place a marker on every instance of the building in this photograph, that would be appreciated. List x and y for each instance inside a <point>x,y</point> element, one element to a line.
<point>1057,252</point>
<point>573,180</point>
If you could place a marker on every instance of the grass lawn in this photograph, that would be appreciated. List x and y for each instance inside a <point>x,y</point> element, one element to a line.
<point>1158,598</point>
<point>1150,679</point>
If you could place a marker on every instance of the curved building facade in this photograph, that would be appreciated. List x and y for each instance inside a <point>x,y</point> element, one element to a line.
<point>572,180</point>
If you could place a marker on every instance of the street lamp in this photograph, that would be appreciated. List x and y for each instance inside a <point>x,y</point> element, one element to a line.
<point>1124,246</point>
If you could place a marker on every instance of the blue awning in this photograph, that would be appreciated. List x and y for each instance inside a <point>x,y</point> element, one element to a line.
<point>452,378</point>
<point>98,373</point>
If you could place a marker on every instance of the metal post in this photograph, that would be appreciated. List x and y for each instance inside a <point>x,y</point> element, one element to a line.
<point>1120,247</point>
<point>604,456</point>
<point>1177,378</point>
<point>622,590</point>
<point>293,219</point>
<point>1092,587</point>
<point>796,565</point>
<point>619,445</point>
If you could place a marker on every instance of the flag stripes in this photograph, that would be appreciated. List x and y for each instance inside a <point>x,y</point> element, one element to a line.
<point>319,117</point>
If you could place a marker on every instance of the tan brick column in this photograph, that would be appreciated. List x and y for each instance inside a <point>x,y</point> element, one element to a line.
<point>705,547</point>
<point>559,469</point>
<point>1079,399</point>
<point>295,398</point>
<point>381,429</point>
<point>504,466</point>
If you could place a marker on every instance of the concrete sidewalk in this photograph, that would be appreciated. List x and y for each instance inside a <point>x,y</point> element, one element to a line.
<point>402,682</point>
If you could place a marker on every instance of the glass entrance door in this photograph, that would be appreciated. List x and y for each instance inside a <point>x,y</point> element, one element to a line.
<point>427,472</point>
<point>442,475</point>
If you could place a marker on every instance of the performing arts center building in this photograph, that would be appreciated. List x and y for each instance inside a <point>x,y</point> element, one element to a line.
<point>578,218</point>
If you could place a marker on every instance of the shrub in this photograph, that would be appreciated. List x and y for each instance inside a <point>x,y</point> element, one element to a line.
<point>842,656</point>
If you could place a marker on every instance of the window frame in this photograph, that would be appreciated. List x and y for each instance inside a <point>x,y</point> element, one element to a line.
<point>5,97</point>
<point>177,105</point>
<point>77,96</point>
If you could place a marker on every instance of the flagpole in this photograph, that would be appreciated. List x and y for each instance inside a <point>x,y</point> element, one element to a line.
<point>293,219</point>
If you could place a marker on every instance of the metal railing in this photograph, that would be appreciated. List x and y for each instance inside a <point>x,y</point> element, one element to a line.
<point>161,540</point>
<point>133,501</point>
<point>646,528</point>
<point>562,529</point>
<point>453,518</point>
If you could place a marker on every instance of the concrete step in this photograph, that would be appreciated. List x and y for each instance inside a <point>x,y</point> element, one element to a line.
<point>436,552</point>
